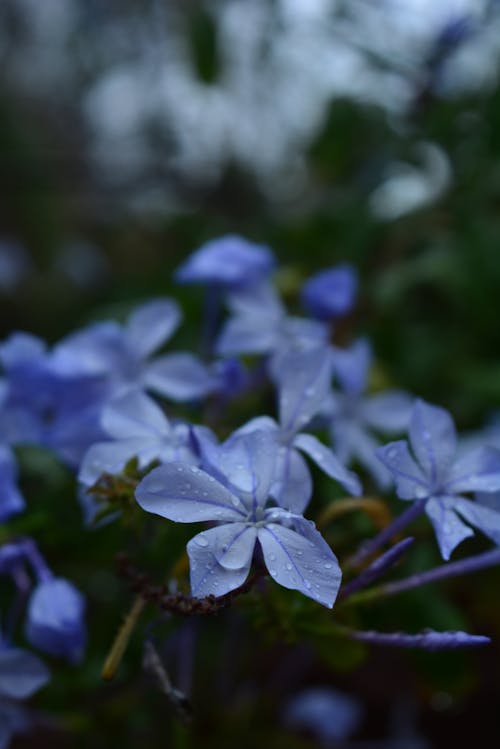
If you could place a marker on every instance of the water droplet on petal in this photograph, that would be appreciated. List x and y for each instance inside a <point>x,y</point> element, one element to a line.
<point>307,584</point>
<point>328,566</point>
<point>201,540</point>
<point>289,566</point>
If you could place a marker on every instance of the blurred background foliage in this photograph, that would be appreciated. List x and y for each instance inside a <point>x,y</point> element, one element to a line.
<point>331,131</point>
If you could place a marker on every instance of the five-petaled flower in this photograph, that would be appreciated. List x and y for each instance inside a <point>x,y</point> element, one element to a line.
<point>236,497</point>
<point>440,476</point>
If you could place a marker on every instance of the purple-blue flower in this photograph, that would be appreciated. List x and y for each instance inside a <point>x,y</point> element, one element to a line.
<point>137,428</point>
<point>332,293</point>
<point>433,471</point>
<point>21,675</point>
<point>326,713</point>
<point>303,386</point>
<point>229,261</point>
<point>55,619</point>
<point>11,499</point>
<point>356,418</point>
<point>260,325</point>
<point>237,500</point>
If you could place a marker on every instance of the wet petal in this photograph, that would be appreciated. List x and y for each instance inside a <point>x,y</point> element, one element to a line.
<point>187,494</point>
<point>411,483</point>
<point>450,530</point>
<point>247,462</point>
<point>303,386</point>
<point>479,516</point>
<point>304,564</point>
<point>433,439</point>
<point>328,462</point>
<point>292,488</point>
<point>208,576</point>
<point>478,470</point>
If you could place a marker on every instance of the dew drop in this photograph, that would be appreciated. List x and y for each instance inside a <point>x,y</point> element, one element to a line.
<point>273,573</point>
<point>307,584</point>
<point>289,566</point>
<point>272,557</point>
<point>201,540</point>
<point>328,566</point>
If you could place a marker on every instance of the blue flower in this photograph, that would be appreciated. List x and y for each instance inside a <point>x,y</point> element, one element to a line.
<point>437,474</point>
<point>11,499</point>
<point>55,619</point>
<point>332,293</point>
<point>355,418</point>
<point>229,261</point>
<point>326,713</point>
<point>302,388</point>
<point>121,355</point>
<point>236,497</point>
<point>21,675</point>
<point>138,428</point>
<point>260,325</point>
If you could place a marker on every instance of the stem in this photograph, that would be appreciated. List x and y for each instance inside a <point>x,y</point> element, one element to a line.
<point>462,567</point>
<point>122,639</point>
<point>382,538</point>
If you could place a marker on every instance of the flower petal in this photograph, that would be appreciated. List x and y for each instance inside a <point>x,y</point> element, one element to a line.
<point>187,494</point>
<point>220,558</point>
<point>433,439</point>
<point>303,385</point>
<point>410,480</point>
<point>328,462</point>
<point>108,457</point>
<point>351,366</point>
<point>247,335</point>
<point>387,412</point>
<point>151,325</point>
<point>478,470</point>
<point>479,516</point>
<point>11,500</point>
<point>21,673</point>
<point>180,376</point>
<point>301,563</point>
<point>292,488</point>
<point>134,414</point>
<point>246,462</point>
<point>450,530</point>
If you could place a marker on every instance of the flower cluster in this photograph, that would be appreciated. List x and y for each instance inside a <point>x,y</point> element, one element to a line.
<point>111,404</point>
